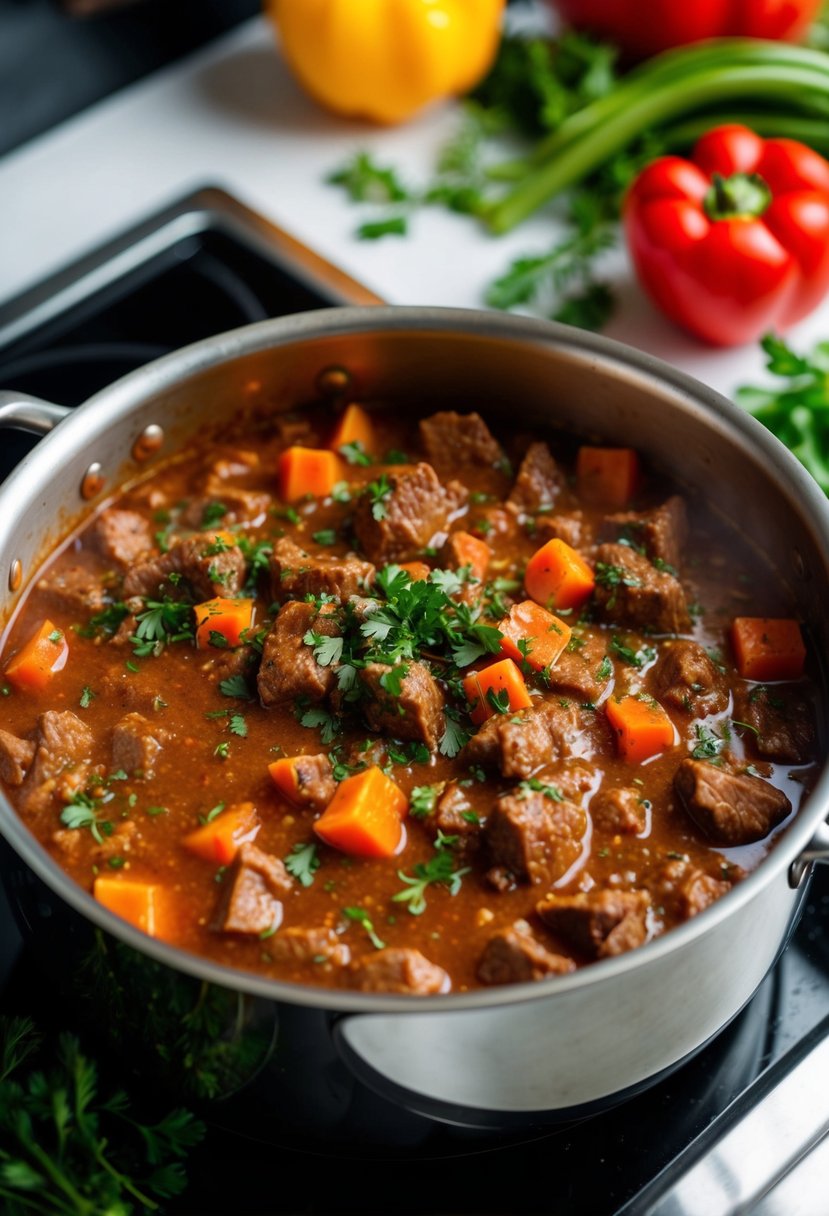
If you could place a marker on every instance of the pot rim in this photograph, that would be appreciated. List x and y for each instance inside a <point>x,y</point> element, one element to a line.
<point>166,373</point>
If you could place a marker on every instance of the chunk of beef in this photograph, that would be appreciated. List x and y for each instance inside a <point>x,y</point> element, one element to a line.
<point>493,522</point>
<point>633,592</point>
<point>74,843</point>
<point>309,946</point>
<point>16,756</point>
<point>520,743</point>
<point>288,669</point>
<point>416,713</point>
<point>224,664</point>
<point>252,893</point>
<point>122,536</point>
<point>62,760</point>
<point>534,838</point>
<point>205,573</point>
<point>730,808</point>
<point>295,574</point>
<point>687,890</point>
<point>454,816</point>
<point>578,672</point>
<point>538,482</point>
<point>73,589</point>
<point>223,505</point>
<point>137,744</point>
<point>398,969</point>
<point>570,526</point>
<point>620,810</point>
<point>572,778</point>
<point>686,677</point>
<point>315,781</point>
<point>515,956</point>
<point>415,509</point>
<point>598,923</point>
<point>660,532</point>
<point>783,722</point>
<point>451,440</point>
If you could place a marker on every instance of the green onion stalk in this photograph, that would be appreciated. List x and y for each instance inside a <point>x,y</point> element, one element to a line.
<point>784,89</point>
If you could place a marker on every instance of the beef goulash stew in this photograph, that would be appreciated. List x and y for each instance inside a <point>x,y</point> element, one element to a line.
<point>349,700</point>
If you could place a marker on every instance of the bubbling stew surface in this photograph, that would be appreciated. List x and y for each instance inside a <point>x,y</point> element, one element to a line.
<point>349,699</point>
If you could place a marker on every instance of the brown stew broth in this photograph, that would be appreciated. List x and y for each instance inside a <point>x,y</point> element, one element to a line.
<point>178,690</point>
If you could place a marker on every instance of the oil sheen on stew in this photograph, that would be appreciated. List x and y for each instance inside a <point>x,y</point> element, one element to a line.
<point>352,700</point>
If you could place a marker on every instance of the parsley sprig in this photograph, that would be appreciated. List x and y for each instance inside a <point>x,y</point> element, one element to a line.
<point>439,869</point>
<point>161,623</point>
<point>797,411</point>
<point>69,1151</point>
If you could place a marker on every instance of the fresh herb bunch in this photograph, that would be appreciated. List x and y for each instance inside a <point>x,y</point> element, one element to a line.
<point>67,1151</point>
<point>592,131</point>
<point>797,412</point>
<point>410,620</point>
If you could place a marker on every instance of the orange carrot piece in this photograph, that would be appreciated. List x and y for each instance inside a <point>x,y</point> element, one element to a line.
<point>42,657</point>
<point>495,679</point>
<point>541,635</point>
<point>472,552</point>
<point>285,777</point>
<point>229,618</point>
<point>642,728</point>
<point>313,471</point>
<point>418,572</point>
<point>134,901</point>
<point>354,426</point>
<point>607,475</point>
<point>558,576</point>
<point>365,816</point>
<point>768,648</point>
<point>219,840</point>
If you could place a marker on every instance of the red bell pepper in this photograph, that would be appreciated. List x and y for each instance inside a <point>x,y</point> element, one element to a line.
<point>645,29</point>
<point>735,241</point>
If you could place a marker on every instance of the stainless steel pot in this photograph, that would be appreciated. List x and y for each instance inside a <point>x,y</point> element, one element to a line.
<point>546,1049</point>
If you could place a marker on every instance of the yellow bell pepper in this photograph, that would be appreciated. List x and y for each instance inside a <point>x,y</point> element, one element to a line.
<point>385,59</point>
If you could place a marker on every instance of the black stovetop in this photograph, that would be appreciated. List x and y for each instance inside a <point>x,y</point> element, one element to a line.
<point>218,267</point>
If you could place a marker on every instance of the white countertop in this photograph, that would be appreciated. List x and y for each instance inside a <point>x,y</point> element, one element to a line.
<point>231,115</point>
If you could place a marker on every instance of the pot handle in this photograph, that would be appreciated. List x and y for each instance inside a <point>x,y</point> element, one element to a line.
<point>816,854</point>
<point>21,412</point>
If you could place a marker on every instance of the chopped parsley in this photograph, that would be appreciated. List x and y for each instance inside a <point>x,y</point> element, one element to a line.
<point>439,869</point>
<point>423,800</point>
<point>302,862</point>
<point>362,918</point>
<point>87,697</point>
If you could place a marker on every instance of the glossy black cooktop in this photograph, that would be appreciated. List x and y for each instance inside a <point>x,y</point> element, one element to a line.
<point>215,267</point>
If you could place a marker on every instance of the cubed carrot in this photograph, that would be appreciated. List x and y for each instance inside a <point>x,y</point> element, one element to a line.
<point>219,839</point>
<point>354,426</point>
<point>768,648</point>
<point>140,903</point>
<point>418,572</point>
<point>607,475</point>
<point>485,690</point>
<point>533,635</point>
<point>641,726</point>
<point>228,618</point>
<point>313,471</point>
<point>558,576</point>
<point>41,658</point>
<point>470,551</point>
<point>365,816</point>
